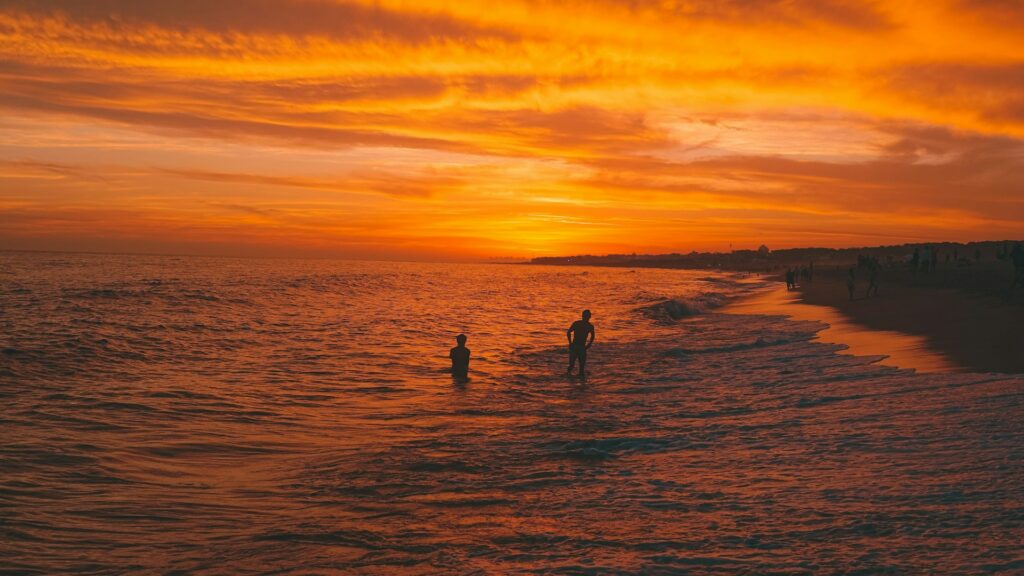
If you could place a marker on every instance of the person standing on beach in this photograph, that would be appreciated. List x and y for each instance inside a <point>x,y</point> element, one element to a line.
<point>873,278</point>
<point>851,281</point>
<point>1017,257</point>
<point>581,337</point>
<point>460,359</point>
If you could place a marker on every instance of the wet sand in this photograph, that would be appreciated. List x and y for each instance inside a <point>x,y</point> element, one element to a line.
<point>928,328</point>
<point>899,349</point>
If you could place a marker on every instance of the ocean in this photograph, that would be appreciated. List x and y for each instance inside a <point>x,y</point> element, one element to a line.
<point>192,415</point>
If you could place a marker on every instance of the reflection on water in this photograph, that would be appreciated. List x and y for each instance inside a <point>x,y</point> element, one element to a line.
<point>218,416</point>
<point>898,349</point>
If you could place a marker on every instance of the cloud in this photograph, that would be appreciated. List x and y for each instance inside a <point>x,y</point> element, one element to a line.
<point>212,124</point>
<point>37,169</point>
<point>359,183</point>
<point>1002,13</point>
<point>345,112</point>
<point>923,170</point>
<point>852,14</point>
<point>293,18</point>
<point>993,92</point>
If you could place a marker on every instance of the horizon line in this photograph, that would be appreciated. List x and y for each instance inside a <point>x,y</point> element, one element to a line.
<point>491,260</point>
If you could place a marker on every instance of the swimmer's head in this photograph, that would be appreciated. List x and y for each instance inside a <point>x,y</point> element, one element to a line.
<point>461,339</point>
<point>586,314</point>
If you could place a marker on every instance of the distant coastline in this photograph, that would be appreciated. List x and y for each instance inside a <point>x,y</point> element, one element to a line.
<point>766,260</point>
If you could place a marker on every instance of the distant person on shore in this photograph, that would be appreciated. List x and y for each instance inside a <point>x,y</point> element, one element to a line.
<point>851,281</point>
<point>790,279</point>
<point>581,337</point>
<point>1017,257</point>
<point>873,279</point>
<point>460,359</point>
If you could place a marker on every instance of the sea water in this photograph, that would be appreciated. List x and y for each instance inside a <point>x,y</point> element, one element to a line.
<point>230,416</point>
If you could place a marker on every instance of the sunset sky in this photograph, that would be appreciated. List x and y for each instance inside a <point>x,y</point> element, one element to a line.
<point>463,129</point>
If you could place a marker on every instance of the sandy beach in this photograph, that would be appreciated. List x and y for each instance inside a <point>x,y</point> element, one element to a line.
<point>964,315</point>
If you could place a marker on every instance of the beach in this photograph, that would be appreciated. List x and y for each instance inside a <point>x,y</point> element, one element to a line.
<point>963,314</point>
<point>889,347</point>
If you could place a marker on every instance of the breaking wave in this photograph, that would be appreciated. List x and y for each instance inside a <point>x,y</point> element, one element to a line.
<point>671,309</point>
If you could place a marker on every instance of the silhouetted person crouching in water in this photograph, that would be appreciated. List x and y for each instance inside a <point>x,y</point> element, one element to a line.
<point>580,336</point>
<point>460,359</point>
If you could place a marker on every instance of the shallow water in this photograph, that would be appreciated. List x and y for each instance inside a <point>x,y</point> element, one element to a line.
<point>211,416</point>
<point>898,349</point>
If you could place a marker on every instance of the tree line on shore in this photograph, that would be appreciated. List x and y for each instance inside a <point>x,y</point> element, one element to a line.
<point>766,260</point>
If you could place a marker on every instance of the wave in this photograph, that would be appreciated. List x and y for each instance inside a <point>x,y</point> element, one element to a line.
<point>723,280</point>
<point>759,342</point>
<point>149,289</point>
<point>671,309</point>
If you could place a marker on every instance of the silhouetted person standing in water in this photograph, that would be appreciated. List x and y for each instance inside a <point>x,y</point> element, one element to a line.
<point>460,359</point>
<point>580,336</point>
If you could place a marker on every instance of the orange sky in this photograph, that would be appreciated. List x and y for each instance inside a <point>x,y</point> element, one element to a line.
<point>476,129</point>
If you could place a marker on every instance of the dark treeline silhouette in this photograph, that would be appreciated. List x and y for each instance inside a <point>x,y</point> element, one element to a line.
<point>991,267</point>
<point>765,260</point>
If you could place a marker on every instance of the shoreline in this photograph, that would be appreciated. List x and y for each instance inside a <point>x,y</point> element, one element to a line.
<point>894,348</point>
<point>916,325</point>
